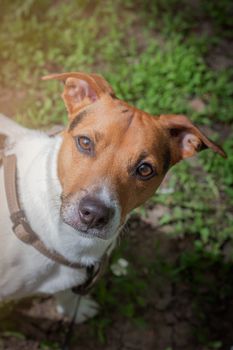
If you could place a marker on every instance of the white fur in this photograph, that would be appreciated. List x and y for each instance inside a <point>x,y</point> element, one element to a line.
<point>87,307</point>
<point>23,270</point>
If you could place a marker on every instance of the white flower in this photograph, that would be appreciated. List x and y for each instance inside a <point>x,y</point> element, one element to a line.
<point>166,190</point>
<point>120,267</point>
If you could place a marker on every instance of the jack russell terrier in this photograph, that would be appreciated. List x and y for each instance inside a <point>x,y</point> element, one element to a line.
<point>76,189</point>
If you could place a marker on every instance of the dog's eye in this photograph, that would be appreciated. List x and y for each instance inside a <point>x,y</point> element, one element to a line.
<point>145,171</point>
<point>84,144</point>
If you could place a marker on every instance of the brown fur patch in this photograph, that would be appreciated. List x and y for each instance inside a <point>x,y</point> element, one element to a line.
<point>126,139</point>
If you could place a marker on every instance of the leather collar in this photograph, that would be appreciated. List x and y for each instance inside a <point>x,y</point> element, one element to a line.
<point>24,232</point>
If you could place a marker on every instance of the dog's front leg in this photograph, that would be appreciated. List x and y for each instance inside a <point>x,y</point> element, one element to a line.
<point>67,301</point>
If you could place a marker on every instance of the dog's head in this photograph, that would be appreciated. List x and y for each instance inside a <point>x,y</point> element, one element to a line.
<point>114,156</point>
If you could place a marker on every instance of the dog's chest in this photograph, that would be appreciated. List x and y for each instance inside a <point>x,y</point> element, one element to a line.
<point>23,270</point>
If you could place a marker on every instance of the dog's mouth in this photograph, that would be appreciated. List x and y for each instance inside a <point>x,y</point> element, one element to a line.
<point>87,232</point>
<point>87,225</point>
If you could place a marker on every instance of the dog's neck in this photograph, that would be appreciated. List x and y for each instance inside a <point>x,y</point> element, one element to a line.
<point>40,190</point>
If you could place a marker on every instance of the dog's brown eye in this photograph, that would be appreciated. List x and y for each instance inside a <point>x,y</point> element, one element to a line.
<point>145,171</point>
<point>84,144</point>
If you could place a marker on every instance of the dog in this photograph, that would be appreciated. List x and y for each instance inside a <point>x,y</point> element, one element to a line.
<point>78,187</point>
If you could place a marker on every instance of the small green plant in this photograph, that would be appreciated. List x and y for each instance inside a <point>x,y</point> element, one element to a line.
<point>49,345</point>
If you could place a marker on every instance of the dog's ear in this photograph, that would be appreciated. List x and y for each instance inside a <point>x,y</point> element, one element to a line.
<point>81,89</point>
<point>185,138</point>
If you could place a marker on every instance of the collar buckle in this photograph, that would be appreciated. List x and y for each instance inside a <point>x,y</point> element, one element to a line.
<point>93,276</point>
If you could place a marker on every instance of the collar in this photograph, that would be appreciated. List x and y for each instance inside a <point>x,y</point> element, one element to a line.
<point>24,232</point>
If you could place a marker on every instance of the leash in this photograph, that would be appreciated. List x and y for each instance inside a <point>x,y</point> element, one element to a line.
<point>69,333</point>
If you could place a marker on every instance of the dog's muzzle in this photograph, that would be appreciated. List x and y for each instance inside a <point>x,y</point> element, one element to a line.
<point>90,216</point>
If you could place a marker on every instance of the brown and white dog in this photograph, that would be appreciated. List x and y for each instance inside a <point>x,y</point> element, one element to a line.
<point>78,188</point>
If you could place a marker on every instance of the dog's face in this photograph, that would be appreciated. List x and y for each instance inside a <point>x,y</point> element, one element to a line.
<point>114,156</point>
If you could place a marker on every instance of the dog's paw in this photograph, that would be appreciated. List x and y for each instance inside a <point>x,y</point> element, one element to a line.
<point>87,308</point>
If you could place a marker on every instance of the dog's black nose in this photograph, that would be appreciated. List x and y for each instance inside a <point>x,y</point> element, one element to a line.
<point>94,213</point>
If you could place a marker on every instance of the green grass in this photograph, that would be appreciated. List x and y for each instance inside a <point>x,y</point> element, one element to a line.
<point>156,61</point>
<point>162,78</point>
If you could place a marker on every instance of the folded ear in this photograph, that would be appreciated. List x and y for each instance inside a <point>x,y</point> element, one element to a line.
<point>81,89</point>
<point>185,138</point>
